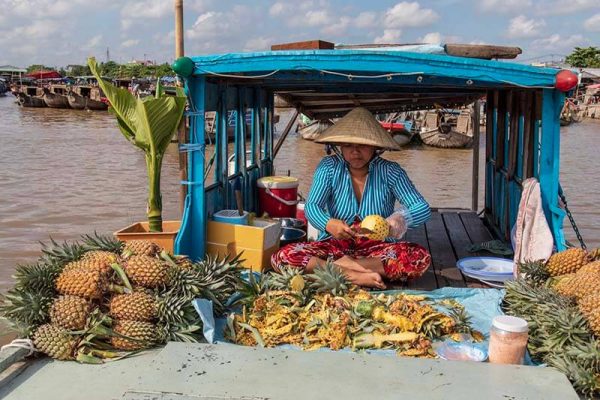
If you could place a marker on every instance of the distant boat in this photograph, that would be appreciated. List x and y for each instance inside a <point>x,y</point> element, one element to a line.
<point>3,87</point>
<point>25,100</point>
<point>401,131</point>
<point>313,130</point>
<point>446,133</point>
<point>79,102</point>
<point>54,100</point>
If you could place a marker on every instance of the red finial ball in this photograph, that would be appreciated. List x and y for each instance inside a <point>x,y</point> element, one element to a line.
<point>566,80</point>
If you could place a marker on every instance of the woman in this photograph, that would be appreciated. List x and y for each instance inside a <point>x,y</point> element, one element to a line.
<point>346,188</point>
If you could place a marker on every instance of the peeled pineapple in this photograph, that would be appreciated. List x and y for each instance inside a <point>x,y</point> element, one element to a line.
<point>567,262</point>
<point>377,225</point>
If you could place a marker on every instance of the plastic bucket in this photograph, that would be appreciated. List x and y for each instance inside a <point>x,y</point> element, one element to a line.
<point>231,217</point>
<point>278,196</point>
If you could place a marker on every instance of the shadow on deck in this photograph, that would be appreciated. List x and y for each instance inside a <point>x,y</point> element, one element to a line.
<point>447,236</point>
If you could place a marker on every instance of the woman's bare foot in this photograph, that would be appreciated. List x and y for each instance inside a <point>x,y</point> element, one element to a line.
<point>348,263</point>
<point>366,279</point>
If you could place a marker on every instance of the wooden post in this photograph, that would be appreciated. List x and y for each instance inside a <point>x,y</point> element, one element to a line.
<point>286,131</point>
<point>475,183</point>
<point>181,131</point>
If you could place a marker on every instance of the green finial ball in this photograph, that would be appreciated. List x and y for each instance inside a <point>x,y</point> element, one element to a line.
<point>183,66</point>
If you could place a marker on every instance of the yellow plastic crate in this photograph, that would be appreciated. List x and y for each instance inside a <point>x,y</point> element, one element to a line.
<point>258,241</point>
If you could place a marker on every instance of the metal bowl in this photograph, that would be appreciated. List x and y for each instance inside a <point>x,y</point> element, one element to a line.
<point>291,223</point>
<point>291,235</point>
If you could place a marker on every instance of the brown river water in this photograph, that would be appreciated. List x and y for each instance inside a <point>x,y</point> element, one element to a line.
<point>65,172</point>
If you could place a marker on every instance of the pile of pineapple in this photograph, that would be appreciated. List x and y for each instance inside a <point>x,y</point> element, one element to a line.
<point>101,298</point>
<point>560,299</point>
<point>322,309</point>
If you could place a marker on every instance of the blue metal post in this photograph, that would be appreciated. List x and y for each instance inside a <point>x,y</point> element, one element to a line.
<point>223,128</point>
<point>192,236</point>
<point>549,163</point>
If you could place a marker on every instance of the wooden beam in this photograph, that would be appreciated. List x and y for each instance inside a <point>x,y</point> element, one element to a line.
<point>286,131</point>
<point>475,177</point>
<point>484,51</point>
<point>306,45</point>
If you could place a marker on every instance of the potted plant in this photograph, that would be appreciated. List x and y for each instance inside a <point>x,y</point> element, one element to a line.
<point>148,123</point>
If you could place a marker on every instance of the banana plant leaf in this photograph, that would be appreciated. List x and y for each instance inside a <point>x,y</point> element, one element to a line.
<point>149,123</point>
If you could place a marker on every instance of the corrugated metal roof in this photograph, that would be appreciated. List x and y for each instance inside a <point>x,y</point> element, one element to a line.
<point>11,68</point>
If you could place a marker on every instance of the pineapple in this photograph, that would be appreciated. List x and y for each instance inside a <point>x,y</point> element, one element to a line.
<point>137,306</point>
<point>285,277</point>
<point>378,227</point>
<point>141,248</point>
<point>587,284</point>
<point>566,262</point>
<point>329,279</point>
<point>55,342</point>
<point>100,256</point>
<point>70,312</point>
<point>184,262</point>
<point>566,285</point>
<point>588,303</point>
<point>94,265</point>
<point>589,268</point>
<point>146,271</point>
<point>140,335</point>
<point>82,283</point>
<point>593,320</point>
<point>595,254</point>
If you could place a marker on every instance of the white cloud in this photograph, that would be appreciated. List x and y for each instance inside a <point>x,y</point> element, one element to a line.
<point>438,38</point>
<point>126,23</point>
<point>556,42</point>
<point>411,14</point>
<point>561,7</point>
<point>337,28</point>
<point>147,9</point>
<point>431,37</point>
<point>592,24</point>
<point>366,19</point>
<point>93,42</point>
<point>130,42</point>
<point>277,9</point>
<point>504,6</point>
<point>258,44</point>
<point>208,25</point>
<point>522,27</point>
<point>389,36</point>
<point>316,18</point>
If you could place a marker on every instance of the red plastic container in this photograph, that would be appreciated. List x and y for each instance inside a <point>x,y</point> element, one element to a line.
<point>278,196</point>
<point>300,212</point>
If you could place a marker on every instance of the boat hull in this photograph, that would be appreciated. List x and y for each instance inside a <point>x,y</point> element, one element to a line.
<point>54,100</point>
<point>450,140</point>
<point>25,100</point>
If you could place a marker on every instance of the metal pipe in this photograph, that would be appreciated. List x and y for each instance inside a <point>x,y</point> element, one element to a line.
<point>286,131</point>
<point>475,182</point>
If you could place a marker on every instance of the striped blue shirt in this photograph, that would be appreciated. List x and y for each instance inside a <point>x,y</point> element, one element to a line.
<point>332,196</point>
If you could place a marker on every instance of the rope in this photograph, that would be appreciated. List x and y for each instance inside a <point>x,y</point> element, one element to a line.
<point>240,76</point>
<point>571,219</point>
<point>26,344</point>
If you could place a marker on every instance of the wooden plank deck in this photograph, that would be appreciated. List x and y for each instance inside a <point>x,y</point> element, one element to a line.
<point>447,236</point>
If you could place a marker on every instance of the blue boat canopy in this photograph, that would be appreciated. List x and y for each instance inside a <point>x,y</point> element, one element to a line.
<point>523,105</point>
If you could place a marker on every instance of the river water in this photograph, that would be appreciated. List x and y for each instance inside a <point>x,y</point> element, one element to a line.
<point>67,172</point>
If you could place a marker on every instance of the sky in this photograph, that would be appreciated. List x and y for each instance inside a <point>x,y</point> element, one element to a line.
<point>63,32</point>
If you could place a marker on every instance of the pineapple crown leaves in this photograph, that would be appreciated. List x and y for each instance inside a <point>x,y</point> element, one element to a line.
<point>329,278</point>
<point>37,277</point>
<point>26,310</point>
<point>534,271</point>
<point>66,252</point>
<point>251,288</point>
<point>102,242</point>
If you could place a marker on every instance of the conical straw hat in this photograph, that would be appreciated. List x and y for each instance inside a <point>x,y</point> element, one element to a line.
<point>359,126</point>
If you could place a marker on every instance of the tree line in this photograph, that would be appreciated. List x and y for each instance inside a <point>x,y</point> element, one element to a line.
<point>111,69</point>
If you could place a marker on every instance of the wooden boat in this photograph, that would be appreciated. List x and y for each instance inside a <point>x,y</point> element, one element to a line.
<point>25,100</point>
<point>54,100</point>
<point>441,131</point>
<point>79,102</point>
<point>401,132</point>
<point>312,130</point>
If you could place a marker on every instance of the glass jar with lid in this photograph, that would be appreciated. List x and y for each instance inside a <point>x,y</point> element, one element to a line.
<point>508,340</point>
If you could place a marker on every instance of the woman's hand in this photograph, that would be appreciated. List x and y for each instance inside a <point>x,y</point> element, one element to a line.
<point>339,229</point>
<point>398,225</point>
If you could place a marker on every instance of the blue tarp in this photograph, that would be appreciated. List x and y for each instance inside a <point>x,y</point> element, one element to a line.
<point>481,304</point>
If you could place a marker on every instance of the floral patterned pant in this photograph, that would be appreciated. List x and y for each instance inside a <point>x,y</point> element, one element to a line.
<point>401,260</point>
